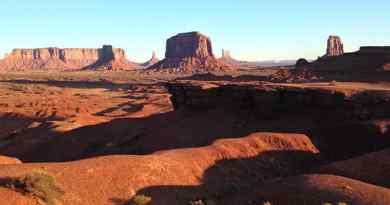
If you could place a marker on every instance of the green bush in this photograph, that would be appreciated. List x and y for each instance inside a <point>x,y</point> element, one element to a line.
<point>141,200</point>
<point>42,185</point>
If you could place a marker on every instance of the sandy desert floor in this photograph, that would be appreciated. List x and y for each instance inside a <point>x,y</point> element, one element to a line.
<point>110,136</point>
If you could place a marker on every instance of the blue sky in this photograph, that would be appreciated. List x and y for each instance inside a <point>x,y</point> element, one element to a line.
<point>251,29</point>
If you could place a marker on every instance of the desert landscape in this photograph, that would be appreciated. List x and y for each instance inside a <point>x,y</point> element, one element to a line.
<point>92,126</point>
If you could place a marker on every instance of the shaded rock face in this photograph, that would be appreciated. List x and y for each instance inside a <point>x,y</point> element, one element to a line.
<point>190,52</point>
<point>335,46</point>
<point>58,58</point>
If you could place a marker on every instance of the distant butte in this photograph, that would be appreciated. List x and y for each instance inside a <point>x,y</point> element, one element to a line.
<point>190,52</point>
<point>53,58</point>
<point>152,61</point>
<point>228,59</point>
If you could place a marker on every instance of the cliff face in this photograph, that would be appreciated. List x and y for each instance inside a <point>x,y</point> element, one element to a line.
<point>61,59</point>
<point>272,98</point>
<point>190,52</point>
<point>333,117</point>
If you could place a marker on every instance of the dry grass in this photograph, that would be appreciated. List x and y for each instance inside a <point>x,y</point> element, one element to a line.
<point>42,185</point>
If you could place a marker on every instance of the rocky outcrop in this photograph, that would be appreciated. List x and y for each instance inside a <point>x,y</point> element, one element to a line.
<point>152,61</point>
<point>190,52</point>
<point>335,46</point>
<point>271,98</point>
<point>228,59</point>
<point>62,59</point>
<point>331,114</point>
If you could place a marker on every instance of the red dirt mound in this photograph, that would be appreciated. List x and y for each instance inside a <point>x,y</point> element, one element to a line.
<point>315,189</point>
<point>372,168</point>
<point>177,176</point>
<point>9,160</point>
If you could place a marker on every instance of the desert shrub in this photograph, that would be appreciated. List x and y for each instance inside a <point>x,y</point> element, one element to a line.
<point>141,200</point>
<point>42,185</point>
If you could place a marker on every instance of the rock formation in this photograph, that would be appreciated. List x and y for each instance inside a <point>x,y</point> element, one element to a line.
<point>152,61</point>
<point>190,52</point>
<point>227,58</point>
<point>353,106</point>
<point>62,59</point>
<point>335,46</point>
<point>111,59</point>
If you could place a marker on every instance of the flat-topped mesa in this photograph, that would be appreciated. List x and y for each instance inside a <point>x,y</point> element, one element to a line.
<point>335,46</point>
<point>190,52</point>
<point>62,58</point>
